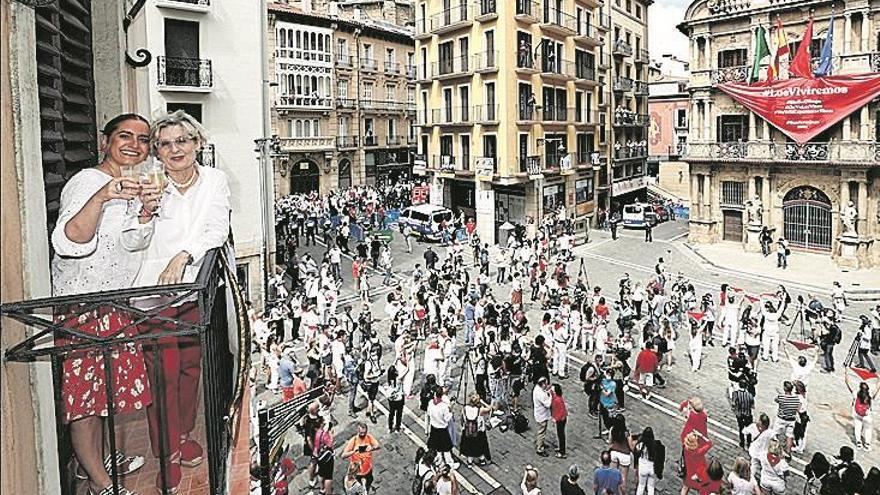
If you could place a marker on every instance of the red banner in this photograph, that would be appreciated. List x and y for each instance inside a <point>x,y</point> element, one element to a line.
<point>803,108</point>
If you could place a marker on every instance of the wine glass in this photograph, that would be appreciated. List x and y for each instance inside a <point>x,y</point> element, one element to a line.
<point>154,173</point>
<point>133,172</point>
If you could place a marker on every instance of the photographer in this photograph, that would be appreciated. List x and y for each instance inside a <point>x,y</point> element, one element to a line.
<point>829,336</point>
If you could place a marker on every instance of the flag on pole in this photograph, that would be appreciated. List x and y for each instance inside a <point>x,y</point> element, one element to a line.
<point>773,72</point>
<point>761,51</point>
<point>826,65</point>
<point>800,64</point>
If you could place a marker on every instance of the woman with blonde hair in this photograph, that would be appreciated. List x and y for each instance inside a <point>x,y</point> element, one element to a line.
<point>529,484</point>
<point>188,217</point>
<point>696,445</point>
<point>774,469</point>
<point>351,483</point>
<point>740,478</point>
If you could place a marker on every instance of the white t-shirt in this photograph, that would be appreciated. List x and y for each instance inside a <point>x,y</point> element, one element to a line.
<point>740,486</point>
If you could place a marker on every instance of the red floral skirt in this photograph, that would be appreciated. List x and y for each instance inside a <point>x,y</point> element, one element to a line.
<point>84,385</point>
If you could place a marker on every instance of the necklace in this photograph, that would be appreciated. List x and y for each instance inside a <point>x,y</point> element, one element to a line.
<point>187,183</point>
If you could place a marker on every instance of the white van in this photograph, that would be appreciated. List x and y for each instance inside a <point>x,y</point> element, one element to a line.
<point>635,215</point>
<point>425,219</point>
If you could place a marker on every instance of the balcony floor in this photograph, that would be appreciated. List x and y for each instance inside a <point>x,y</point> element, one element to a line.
<point>133,439</point>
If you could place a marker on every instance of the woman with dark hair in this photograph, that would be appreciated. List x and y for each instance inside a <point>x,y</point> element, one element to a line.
<point>712,486</point>
<point>645,449</point>
<point>322,455</point>
<point>92,254</point>
<point>559,412</point>
<point>438,417</point>
<point>621,450</point>
<point>863,420</point>
<point>395,400</point>
<point>474,442</point>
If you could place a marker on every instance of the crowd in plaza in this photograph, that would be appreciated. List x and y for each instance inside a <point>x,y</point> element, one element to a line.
<point>460,341</point>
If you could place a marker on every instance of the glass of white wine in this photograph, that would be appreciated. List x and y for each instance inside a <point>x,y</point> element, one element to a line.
<point>154,173</point>
<point>133,173</point>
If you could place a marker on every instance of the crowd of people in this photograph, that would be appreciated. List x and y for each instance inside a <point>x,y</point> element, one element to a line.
<point>459,339</point>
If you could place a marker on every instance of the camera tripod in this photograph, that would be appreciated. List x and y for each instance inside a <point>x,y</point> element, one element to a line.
<point>467,368</point>
<point>799,320</point>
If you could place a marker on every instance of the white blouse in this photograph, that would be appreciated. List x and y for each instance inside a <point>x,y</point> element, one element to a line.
<point>106,262</point>
<point>195,221</point>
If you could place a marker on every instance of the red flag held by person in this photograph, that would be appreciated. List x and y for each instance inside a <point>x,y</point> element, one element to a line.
<point>801,346</point>
<point>864,374</point>
<point>800,64</point>
<point>695,315</point>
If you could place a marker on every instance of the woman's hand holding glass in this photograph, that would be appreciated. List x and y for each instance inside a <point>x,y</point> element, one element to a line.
<point>124,188</point>
<point>150,194</point>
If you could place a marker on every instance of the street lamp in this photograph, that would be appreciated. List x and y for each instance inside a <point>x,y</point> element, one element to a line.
<point>268,148</point>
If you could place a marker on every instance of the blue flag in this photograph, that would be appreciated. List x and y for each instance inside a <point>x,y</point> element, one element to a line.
<point>826,65</point>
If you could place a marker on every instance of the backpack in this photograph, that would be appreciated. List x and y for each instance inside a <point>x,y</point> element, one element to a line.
<point>520,423</point>
<point>659,458</point>
<point>836,334</point>
<point>418,482</point>
<point>471,428</point>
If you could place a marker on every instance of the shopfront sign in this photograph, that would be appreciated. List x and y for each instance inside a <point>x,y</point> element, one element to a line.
<point>802,108</point>
<point>628,185</point>
<point>485,168</point>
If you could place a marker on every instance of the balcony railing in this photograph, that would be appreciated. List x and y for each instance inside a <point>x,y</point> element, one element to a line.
<point>451,18</point>
<point>393,140</point>
<point>371,140</point>
<point>307,143</point>
<point>392,68</point>
<point>344,61</point>
<point>411,141</point>
<point>410,71</point>
<point>346,141</point>
<point>553,113</point>
<point>603,61</point>
<point>185,72</point>
<point>411,107</point>
<point>486,61</point>
<point>642,56</point>
<point>488,7</point>
<point>554,160</point>
<point>305,102</point>
<point>451,67</point>
<point>628,118</point>
<point>422,117</point>
<point>525,59</point>
<point>205,156</point>
<point>603,21</point>
<point>553,67</point>
<point>622,49</point>
<point>57,335</point>
<point>486,113</point>
<point>369,64</point>
<point>529,165</point>
<point>584,115</point>
<point>640,87</point>
<point>528,10</point>
<point>739,73</point>
<point>423,73</point>
<point>452,115</point>
<point>557,20</point>
<point>761,151</point>
<point>528,113</point>
<point>629,151</point>
<point>622,84</point>
<point>349,103</point>
<point>445,163</point>
<point>584,72</point>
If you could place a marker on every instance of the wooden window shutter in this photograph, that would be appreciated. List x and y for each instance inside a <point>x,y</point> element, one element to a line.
<point>65,80</point>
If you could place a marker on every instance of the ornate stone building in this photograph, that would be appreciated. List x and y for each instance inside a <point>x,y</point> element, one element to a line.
<point>737,159</point>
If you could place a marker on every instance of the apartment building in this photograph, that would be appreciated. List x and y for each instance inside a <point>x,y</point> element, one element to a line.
<point>343,102</point>
<point>508,108</point>
<point>736,156</point>
<point>205,64</point>
<point>625,58</point>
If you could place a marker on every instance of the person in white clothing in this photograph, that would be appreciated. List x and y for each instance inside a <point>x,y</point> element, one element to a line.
<point>541,399</point>
<point>774,469</point>
<point>770,341</point>
<point>741,480</point>
<point>695,346</point>
<point>761,434</point>
<point>191,218</point>
<point>561,336</point>
<point>438,417</point>
<point>93,254</point>
<point>730,322</point>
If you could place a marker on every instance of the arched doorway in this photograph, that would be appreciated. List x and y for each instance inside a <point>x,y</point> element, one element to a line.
<point>304,176</point>
<point>344,174</point>
<point>807,218</point>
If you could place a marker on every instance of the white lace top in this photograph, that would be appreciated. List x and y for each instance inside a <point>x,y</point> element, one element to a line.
<point>103,263</point>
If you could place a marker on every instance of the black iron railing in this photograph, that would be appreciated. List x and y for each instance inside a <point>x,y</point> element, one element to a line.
<point>185,72</point>
<point>206,156</point>
<point>224,356</point>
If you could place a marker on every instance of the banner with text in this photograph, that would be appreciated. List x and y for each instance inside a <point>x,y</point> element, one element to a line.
<point>803,108</point>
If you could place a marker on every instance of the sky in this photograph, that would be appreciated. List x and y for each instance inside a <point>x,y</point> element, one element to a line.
<point>663,37</point>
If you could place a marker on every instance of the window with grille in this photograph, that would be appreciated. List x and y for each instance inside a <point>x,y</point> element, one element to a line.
<point>66,89</point>
<point>733,193</point>
<point>732,58</point>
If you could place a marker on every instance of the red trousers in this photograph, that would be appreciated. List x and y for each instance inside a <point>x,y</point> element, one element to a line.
<point>181,368</point>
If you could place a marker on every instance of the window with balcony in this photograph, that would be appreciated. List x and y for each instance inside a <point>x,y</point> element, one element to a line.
<point>447,56</point>
<point>182,63</point>
<point>465,142</point>
<point>447,104</point>
<point>732,58</point>
<point>390,91</point>
<point>368,91</point>
<point>681,118</point>
<point>389,56</point>
<point>524,50</point>
<point>584,65</point>
<point>343,126</point>
<point>526,102</point>
<point>732,128</point>
<point>342,88</point>
<point>490,146</point>
<point>464,100</point>
<point>392,129</point>
<point>369,132</point>
<point>551,60</point>
<point>815,46</point>
<point>368,51</point>
<point>463,52</point>
<point>411,96</point>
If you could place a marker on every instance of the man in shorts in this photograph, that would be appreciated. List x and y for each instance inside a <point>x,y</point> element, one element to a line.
<point>788,405</point>
<point>359,450</point>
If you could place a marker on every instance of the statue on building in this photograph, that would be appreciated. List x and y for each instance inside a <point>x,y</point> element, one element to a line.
<point>848,216</point>
<point>754,209</point>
